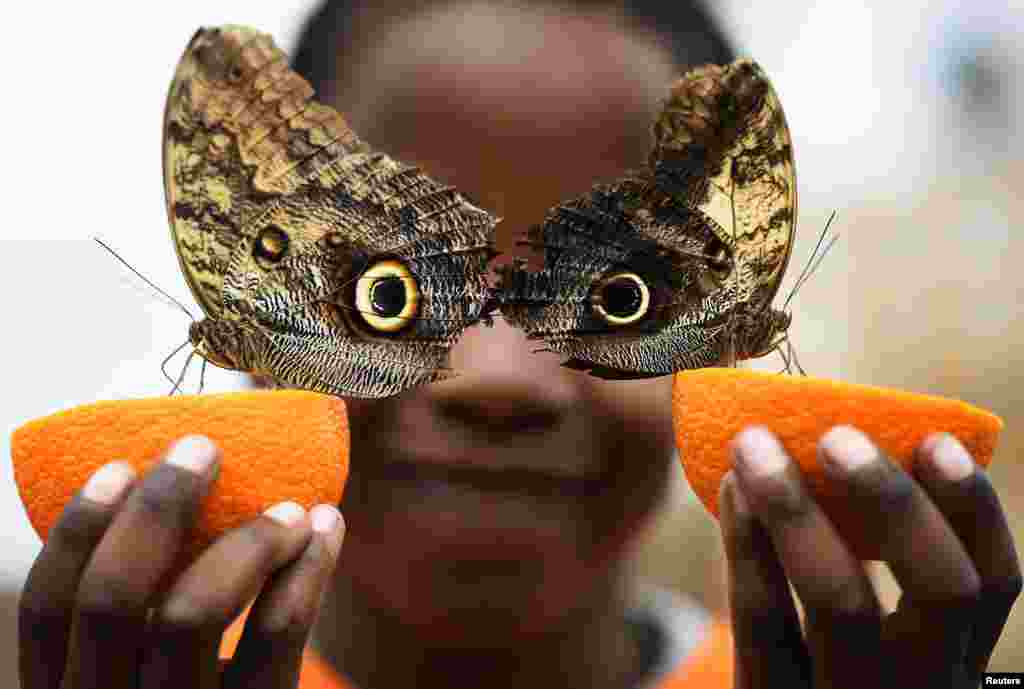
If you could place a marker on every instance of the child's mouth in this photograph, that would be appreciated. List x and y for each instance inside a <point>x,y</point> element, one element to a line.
<point>435,478</point>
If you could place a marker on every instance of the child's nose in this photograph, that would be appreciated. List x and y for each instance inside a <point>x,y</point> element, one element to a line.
<point>503,384</point>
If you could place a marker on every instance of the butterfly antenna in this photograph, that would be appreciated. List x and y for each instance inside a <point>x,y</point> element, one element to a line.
<point>145,279</point>
<point>817,256</point>
<point>163,366</point>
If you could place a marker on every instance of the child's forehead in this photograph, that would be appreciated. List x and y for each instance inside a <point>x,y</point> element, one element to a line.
<point>569,48</point>
<point>516,131</point>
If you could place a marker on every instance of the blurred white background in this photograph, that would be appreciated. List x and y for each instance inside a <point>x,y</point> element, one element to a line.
<point>86,89</point>
<point>906,119</point>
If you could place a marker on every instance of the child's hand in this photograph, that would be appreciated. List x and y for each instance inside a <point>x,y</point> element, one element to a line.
<point>89,615</point>
<point>942,532</point>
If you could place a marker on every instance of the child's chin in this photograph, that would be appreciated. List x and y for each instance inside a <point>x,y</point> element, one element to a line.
<point>471,599</point>
<point>495,617</point>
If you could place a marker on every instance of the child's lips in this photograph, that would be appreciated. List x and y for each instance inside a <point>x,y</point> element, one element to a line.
<point>489,515</point>
<point>438,476</point>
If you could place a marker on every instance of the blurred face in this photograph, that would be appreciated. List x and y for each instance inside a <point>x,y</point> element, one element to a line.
<point>490,501</point>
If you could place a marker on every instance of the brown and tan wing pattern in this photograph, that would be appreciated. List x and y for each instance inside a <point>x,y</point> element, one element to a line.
<point>675,266</point>
<point>318,262</point>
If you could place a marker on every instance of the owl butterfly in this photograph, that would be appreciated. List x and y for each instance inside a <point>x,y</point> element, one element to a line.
<point>318,262</point>
<point>674,266</point>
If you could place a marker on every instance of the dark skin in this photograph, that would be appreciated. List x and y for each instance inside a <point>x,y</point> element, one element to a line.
<point>87,595</point>
<point>490,517</point>
<point>97,609</point>
<point>941,530</point>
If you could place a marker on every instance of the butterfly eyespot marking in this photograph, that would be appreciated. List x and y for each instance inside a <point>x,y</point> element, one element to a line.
<point>335,240</point>
<point>621,299</point>
<point>235,73</point>
<point>387,296</point>
<point>271,244</point>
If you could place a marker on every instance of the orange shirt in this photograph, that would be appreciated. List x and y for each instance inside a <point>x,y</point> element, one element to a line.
<point>709,666</point>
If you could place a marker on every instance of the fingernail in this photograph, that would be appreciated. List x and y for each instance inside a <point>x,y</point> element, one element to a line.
<point>327,520</point>
<point>847,449</point>
<point>109,483</point>
<point>195,453</point>
<point>287,513</point>
<point>738,504</point>
<point>739,501</point>
<point>759,453</point>
<point>950,458</point>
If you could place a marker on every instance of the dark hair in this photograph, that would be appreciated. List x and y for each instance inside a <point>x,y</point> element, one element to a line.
<point>691,34</point>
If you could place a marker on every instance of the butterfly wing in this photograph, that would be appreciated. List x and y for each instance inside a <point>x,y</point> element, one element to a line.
<point>723,145</point>
<point>667,268</point>
<point>278,211</point>
<point>365,212</point>
<point>240,131</point>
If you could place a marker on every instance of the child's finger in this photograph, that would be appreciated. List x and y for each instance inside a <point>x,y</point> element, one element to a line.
<point>186,631</point>
<point>269,654</point>
<point>128,565</point>
<point>48,599</point>
<point>965,496</point>
<point>764,619</point>
<point>837,595</point>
